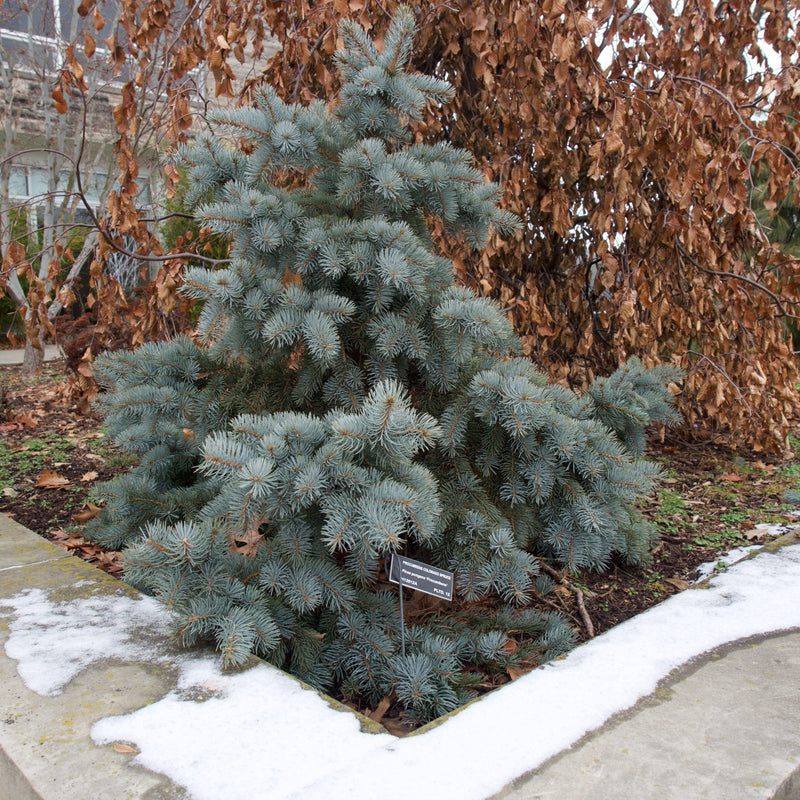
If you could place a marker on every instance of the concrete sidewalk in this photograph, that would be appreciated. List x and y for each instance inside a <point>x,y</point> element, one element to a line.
<point>724,727</point>
<point>8,358</point>
<point>46,752</point>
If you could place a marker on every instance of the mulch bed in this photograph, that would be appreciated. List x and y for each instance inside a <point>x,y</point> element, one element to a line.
<point>54,457</point>
<point>51,459</point>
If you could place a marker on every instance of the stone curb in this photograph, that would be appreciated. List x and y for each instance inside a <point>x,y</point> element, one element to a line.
<point>46,752</point>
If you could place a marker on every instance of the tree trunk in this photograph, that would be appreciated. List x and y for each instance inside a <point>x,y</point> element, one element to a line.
<point>32,360</point>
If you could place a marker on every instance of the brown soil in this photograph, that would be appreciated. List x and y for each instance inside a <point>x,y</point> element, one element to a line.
<point>51,458</point>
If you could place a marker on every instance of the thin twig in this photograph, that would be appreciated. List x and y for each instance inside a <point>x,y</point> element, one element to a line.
<point>779,302</point>
<point>307,61</point>
<point>556,576</point>
<point>584,614</point>
<point>674,539</point>
<point>560,609</point>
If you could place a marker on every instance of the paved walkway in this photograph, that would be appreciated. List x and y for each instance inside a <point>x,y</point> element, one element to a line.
<point>46,751</point>
<point>726,727</point>
<point>12,357</point>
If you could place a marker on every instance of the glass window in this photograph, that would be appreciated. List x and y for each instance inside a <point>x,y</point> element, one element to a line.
<point>31,182</point>
<point>37,181</point>
<point>94,188</point>
<point>18,182</point>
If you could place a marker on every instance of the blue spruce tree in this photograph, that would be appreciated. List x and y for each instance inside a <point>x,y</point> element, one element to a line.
<point>342,400</point>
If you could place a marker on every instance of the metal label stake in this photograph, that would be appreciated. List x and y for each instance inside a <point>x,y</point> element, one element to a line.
<point>422,577</point>
<point>402,622</point>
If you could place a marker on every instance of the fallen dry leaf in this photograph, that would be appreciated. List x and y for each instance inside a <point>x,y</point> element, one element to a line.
<point>679,583</point>
<point>731,478</point>
<point>89,476</point>
<point>26,420</point>
<point>73,542</point>
<point>108,560</point>
<point>52,480</point>
<point>515,672</point>
<point>396,727</point>
<point>89,511</point>
<point>124,748</point>
<point>247,542</point>
<point>753,533</point>
<point>510,646</point>
<point>380,711</point>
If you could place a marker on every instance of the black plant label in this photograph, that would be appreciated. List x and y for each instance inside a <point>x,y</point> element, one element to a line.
<point>422,577</point>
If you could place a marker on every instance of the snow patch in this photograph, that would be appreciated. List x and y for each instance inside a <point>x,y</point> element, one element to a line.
<point>770,529</point>
<point>258,733</point>
<point>53,642</point>
<point>706,570</point>
<point>261,734</point>
<point>296,751</point>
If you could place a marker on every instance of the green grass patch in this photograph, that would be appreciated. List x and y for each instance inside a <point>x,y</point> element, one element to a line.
<point>670,503</point>
<point>791,471</point>
<point>35,454</point>
<point>733,517</point>
<point>719,539</point>
<point>113,456</point>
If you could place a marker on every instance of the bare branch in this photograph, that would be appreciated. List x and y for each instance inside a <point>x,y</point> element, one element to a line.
<point>777,300</point>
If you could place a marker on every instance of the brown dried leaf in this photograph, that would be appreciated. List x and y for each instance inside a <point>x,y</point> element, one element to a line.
<point>248,540</point>
<point>71,542</point>
<point>510,646</point>
<point>290,279</point>
<point>89,511</point>
<point>679,583</point>
<point>380,710</point>
<point>51,480</point>
<point>25,420</point>
<point>59,102</point>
